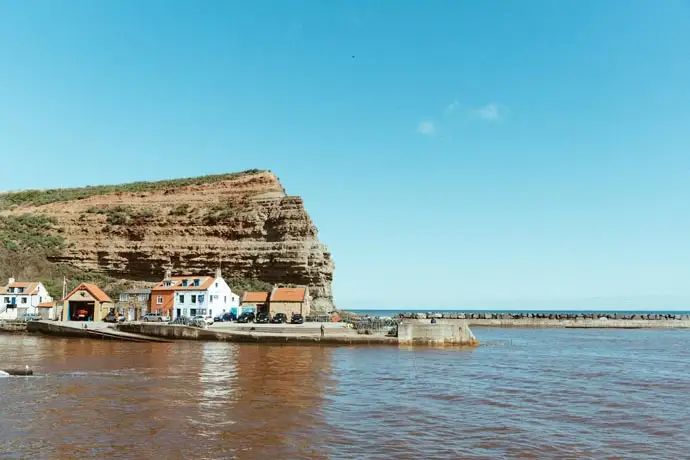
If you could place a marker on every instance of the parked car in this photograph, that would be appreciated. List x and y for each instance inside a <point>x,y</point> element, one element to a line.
<point>262,318</point>
<point>205,318</point>
<point>297,318</point>
<point>225,317</point>
<point>279,318</point>
<point>157,317</point>
<point>246,317</point>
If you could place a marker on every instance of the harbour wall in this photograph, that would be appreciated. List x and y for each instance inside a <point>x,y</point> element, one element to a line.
<point>180,332</point>
<point>410,332</point>
<point>12,326</point>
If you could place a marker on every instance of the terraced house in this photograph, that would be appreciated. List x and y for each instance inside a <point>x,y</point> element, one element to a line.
<point>189,296</point>
<point>19,298</point>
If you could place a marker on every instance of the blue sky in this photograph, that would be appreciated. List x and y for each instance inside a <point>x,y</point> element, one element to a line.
<point>499,154</point>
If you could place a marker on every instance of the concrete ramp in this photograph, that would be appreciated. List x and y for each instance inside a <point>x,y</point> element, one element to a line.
<point>92,330</point>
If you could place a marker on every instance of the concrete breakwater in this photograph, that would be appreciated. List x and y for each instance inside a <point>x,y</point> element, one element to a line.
<point>12,326</point>
<point>564,320</point>
<point>410,332</point>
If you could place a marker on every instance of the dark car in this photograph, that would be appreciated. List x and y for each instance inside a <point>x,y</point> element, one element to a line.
<point>229,317</point>
<point>246,317</point>
<point>261,318</point>
<point>279,318</point>
<point>297,318</point>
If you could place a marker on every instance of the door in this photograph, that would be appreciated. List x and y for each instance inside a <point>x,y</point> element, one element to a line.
<point>179,313</point>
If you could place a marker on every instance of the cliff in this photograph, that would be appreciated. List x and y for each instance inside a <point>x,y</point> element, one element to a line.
<point>243,221</point>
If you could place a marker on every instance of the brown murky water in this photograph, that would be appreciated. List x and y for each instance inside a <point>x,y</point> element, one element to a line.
<point>522,394</point>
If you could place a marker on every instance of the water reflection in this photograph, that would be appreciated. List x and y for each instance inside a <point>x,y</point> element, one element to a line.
<point>525,393</point>
<point>101,399</point>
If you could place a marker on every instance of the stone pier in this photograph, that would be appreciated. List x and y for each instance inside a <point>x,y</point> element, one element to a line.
<point>424,332</point>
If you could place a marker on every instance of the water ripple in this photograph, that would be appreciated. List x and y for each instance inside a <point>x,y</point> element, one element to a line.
<point>523,394</point>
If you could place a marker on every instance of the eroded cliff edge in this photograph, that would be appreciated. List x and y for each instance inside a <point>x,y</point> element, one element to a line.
<point>244,221</point>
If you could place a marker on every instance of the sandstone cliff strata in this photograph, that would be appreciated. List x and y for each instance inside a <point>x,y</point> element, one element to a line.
<point>244,222</point>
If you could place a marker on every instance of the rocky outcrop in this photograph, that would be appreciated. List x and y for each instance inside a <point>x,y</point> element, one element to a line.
<point>245,223</point>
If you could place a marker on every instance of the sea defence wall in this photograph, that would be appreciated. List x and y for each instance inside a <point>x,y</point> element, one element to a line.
<point>563,320</point>
<point>180,332</point>
<point>422,332</point>
<point>13,326</point>
<point>413,333</point>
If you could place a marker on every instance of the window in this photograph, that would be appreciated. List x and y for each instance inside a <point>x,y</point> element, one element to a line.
<point>196,282</point>
<point>40,299</point>
<point>23,299</point>
<point>201,298</point>
<point>7,300</point>
<point>11,290</point>
<point>159,299</point>
<point>216,284</point>
<point>20,290</point>
<point>181,298</point>
<point>192,311</point>
<point>225,299</point>
<point>193,299</point>
<point>168,283</point>
<point>184,282</point>
<point>210,299</point>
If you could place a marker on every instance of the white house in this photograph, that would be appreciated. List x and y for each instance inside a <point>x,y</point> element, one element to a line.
<point>20,298</point>
<point>177,296</point>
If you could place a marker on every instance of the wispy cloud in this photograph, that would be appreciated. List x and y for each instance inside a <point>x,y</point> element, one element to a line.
<point>489,112</point>
<point>452,107</point>
<point>426,128</point>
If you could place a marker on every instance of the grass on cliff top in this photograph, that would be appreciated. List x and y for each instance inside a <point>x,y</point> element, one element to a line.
<point>30,232</point>
<point>41,197</point>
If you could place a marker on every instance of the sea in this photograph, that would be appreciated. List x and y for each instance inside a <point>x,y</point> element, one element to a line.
<point>523,393</point>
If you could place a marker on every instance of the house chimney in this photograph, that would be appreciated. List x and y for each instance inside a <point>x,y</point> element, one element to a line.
<point>219,272</point>
<point>11,280</point>
<point>168,274</point>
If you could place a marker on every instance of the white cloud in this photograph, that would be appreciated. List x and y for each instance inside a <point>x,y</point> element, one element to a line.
<point>452,107</point>
<point>427,128</point>
<point>489,112</point>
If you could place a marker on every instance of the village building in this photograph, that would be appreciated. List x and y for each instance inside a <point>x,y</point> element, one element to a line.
<point>19,298</point>
<point>134,303</point>
<point>47,310</point>
<point>258,301</point>
<point>289,301</point>
<point>87,302</point>
<point>192,295</point>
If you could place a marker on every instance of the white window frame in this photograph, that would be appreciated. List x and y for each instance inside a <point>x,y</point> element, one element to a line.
<point>159,300</point>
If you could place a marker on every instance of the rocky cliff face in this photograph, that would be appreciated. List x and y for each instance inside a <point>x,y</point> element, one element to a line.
<point>246,223</point>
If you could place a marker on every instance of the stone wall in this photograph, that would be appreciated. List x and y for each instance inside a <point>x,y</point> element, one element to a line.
<point>420,332</point>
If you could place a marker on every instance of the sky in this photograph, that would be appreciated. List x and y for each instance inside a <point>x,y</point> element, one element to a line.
<point>490,154</point>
